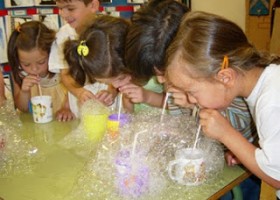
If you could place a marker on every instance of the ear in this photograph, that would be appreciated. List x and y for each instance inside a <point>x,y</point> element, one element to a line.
<point>226,76</point>
<point>94,5</point>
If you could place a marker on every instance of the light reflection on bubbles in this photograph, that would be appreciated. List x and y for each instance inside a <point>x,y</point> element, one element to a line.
<point>17,155</point>
<point>125,169</point>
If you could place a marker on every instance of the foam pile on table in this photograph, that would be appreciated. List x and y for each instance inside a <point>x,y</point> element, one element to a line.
<point>17,155</point>
<point>134,165</point>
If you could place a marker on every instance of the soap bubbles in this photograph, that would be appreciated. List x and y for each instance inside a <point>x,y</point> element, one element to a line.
<point>134,165</point>
<point>17,155</point>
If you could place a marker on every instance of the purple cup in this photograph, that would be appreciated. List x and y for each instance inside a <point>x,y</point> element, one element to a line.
<point>124,118</point>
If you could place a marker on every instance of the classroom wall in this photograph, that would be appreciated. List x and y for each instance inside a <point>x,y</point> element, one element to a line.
<point>231,9</point>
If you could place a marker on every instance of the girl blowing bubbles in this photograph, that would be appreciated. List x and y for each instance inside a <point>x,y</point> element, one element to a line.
<point>28,54</point>
<point>98,55</point>
<point>213,62</point>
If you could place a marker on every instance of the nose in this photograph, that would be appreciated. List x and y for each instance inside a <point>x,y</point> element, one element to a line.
<point>35,69</point>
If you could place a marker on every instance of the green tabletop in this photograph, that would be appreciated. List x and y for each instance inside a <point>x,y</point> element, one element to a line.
<point>53,178</point>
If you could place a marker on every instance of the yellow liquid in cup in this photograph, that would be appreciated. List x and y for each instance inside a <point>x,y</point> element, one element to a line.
<point>95,126</point>
<point>113,128</point>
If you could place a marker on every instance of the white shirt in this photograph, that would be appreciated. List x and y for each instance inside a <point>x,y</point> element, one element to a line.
<point>264,104</point>
<point>56,58</point>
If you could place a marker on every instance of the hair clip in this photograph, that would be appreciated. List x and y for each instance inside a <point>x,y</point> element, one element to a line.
<point>82,49</point>
<point>225,62</point>
<point>18,28</point>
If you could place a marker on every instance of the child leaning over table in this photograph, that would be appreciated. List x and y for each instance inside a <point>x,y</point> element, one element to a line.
<point>78,14</point>
<point>28,53</point>
<point>153,27</point>
<point>212,61</point>
<point>98,55</point>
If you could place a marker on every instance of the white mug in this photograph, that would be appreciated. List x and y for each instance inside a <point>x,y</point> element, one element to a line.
<point>188,168</point>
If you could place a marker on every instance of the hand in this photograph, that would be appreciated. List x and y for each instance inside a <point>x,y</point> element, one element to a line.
<point>105,97</point>
<point>180,98</point>
<point>29,81</point>
<point>85,95</point>
<point>135,93</point>
<point>231,159</point>
<point>122,80</point>
<point>213,124</point>
<point>64,115</point>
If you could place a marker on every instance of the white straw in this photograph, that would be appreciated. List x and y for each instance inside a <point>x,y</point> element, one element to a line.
<point>120,107</point>
<point>135,141</point>
<point>40,89</point>
<point>164,105</point>
<point>196,137</point>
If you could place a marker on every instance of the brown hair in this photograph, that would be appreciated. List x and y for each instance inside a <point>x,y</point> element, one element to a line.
<point>105,39</point>
<point>204,39</point>
<point>153,27</point>
<point>26,37</point>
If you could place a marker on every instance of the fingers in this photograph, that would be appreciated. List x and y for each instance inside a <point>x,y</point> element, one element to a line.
<point>105,97</point>
<point>65,116</point>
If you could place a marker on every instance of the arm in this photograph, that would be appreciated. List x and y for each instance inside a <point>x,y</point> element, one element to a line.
<point>81,93</point>
<point>217,127</point>
<point>22,95</point>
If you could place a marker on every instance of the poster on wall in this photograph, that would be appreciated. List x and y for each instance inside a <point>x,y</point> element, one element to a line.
<point>18,3</point>
<point>137,1</point>
<point>45,2</point>
<point>3,42</point>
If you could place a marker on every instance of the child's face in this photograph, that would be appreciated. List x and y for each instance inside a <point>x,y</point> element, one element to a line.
<point>34,62</point>
<point>206,93</point>
<point>76,13</point>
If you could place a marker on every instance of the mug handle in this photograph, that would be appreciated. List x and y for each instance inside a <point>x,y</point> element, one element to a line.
<point>171,165</point>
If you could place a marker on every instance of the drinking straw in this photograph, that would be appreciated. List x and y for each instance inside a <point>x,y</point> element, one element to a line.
<point>120,107</point>
<point>40,89</point>
<point>164,105</point>
<point>135,141</point>
<point>196,137</point>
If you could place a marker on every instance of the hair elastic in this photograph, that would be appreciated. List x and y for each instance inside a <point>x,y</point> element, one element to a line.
<point>225,62</point>
<point>18,28</point>
<point>82,48</point>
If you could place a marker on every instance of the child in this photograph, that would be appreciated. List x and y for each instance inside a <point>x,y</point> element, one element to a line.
<point>2,89</point>
<point>213,62</point>
<point>78,14</point>
<point>103,58</point>
<point>153,27</point>
<point>152,30</point>
<point>28,52</point>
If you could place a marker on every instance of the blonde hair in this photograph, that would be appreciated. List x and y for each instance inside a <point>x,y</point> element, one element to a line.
<point>203,39</point>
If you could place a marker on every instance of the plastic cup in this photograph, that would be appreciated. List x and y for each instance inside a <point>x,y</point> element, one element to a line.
<point>95,125</point>
<point>114,123</point>
<point>42,109</point>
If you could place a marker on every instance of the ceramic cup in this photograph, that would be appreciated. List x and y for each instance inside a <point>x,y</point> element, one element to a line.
<point>95,125</point>
<point>114,123</point>
<point>42,109</point>
<point>188,168</point>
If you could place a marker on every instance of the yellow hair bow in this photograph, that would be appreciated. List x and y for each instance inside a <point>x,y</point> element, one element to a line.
<point>83,49</point>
